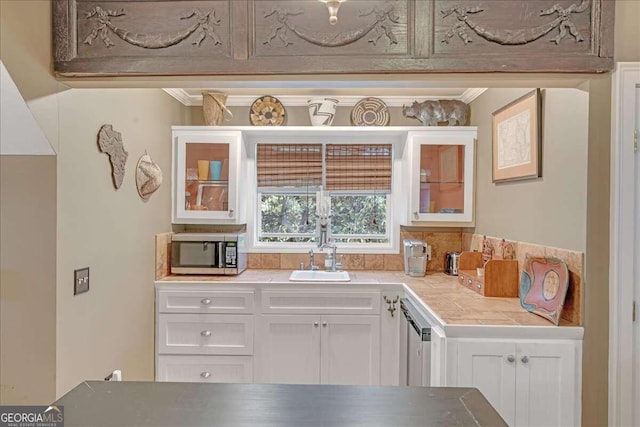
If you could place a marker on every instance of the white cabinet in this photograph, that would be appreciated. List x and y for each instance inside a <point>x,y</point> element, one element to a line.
<point>350,350</point>
<point>289,349</point>
<point>205,334</point>
<point>319,349</point>
<point>205,176</point>
<point>319,337</point>
<point>530,383</point>
<point>440,172</point>
<point>196,344</point>
<point>205,369</point>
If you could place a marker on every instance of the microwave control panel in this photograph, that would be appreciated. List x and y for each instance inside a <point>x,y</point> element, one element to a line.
<point>231,254</point>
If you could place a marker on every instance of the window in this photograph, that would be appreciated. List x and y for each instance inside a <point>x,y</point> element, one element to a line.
<point>357,178</point>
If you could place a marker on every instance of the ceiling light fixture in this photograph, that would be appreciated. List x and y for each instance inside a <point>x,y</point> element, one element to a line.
<point>333,6</point>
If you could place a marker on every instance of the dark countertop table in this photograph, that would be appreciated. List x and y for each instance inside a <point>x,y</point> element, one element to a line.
<point>105,403</point>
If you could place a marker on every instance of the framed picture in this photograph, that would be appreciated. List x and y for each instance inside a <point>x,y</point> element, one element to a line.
<point>517,151</point>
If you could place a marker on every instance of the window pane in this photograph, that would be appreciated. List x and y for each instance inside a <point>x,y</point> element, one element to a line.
<point>288,214</point>
<point>359,215</point>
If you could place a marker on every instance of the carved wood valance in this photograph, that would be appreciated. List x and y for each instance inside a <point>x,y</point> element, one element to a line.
<point>216,37</point>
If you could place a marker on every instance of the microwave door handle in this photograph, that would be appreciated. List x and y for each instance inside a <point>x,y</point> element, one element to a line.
<point>220,255</point>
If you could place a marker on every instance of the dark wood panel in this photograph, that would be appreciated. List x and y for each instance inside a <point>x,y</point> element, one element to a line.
<point>544,27</point>
<point>154,28</point>
<point>291,28</point>
<point>226,37</point>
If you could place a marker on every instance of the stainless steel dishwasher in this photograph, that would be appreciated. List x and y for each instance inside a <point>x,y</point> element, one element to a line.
<point>415,343</point>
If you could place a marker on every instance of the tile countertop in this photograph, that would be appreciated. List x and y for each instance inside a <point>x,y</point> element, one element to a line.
<point>448,300</point>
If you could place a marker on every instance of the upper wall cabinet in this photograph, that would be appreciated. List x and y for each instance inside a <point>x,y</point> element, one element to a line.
<point>441,183</point>
<point>214,37</point>
<point>205,176</point>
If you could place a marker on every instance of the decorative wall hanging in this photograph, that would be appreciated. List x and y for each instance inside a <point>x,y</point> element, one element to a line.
<point>543,286</point>
<point>148,176</point>
<point>430,113</point>
<point>214,108</point>
<point>110,142</point>
<point>322,111</point>
<point>203,25</point>
<point>370,112</point>
<point>379,26</point>
<point>267,111</point>
<point>519,36</point>
<point>516,139</point>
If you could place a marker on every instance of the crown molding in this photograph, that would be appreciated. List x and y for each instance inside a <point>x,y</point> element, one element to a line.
<point>472,93</point>
<point>301,100</point>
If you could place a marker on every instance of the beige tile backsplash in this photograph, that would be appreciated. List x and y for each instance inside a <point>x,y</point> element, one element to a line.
<point>442,240</point>
<point>572,309</point>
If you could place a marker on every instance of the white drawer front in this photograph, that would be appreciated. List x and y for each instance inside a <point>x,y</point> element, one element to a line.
<point>205,369</point>
<point>205,334</point>
<point>205,302</point>
<point>313,302</point>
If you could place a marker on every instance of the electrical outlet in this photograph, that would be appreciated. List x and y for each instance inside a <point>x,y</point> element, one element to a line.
<point>80,280</point>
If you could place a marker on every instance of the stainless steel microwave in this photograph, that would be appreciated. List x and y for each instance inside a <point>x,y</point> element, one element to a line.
<point>208,253</point>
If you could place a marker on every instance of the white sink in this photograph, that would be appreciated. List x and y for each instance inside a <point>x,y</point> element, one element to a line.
<point>319,276</point>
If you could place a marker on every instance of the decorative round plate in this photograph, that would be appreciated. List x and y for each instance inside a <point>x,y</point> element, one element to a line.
<point>370,112</point>
<point>267,111</point>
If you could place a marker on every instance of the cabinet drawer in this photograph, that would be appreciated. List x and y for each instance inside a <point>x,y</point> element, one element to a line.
<point>205,334</point>
<point>312,302</point>
<point>205,369</point>
<point>205,302</point>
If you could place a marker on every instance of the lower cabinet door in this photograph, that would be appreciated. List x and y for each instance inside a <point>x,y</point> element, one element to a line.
<point>288,350</point>
<point>546,386</point>
<point>205,369</point>
<point>490,367</point>
<point>350,350</point>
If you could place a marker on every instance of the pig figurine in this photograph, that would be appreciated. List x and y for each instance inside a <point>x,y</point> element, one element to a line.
<point>430,113</point>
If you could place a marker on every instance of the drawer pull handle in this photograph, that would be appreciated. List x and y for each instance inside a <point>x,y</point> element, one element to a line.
<point>479,286</point>
<point>205,374</point>
<point>315,324</point>
<point>511,358</point>
<point>205,333</point>
<point>470,281</point>
<point>324,324</point>
<point>205,301</point>
<point>524,360</point>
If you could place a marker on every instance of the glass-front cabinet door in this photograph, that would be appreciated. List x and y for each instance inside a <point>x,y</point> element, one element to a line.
<point>205,176</point>
<point>441,175</point>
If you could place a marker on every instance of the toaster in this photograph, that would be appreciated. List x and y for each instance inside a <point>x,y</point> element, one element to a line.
<point>451,260</point>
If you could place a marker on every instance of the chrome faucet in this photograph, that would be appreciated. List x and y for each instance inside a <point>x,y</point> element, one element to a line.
<point>312,265</point>
<point>332,258</point>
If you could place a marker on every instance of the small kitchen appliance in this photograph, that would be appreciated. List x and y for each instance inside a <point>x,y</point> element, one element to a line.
<point>208,253</point>
<point>451,260</point>
<point>415,257</point>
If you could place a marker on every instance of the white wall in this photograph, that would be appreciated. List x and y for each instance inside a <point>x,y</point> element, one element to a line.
<point>550,210</point>
<point>112,232</point>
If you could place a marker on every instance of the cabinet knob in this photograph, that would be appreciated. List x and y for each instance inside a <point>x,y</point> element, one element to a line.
<point>315,324</point>
<point>206,333</point>
<point>524,360</point>
<point>479,286</point>
<point>324,324</point>
<point>205,301</point>
<point>230,213</point>
<point>511,358</point>
<point>205,374</point>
